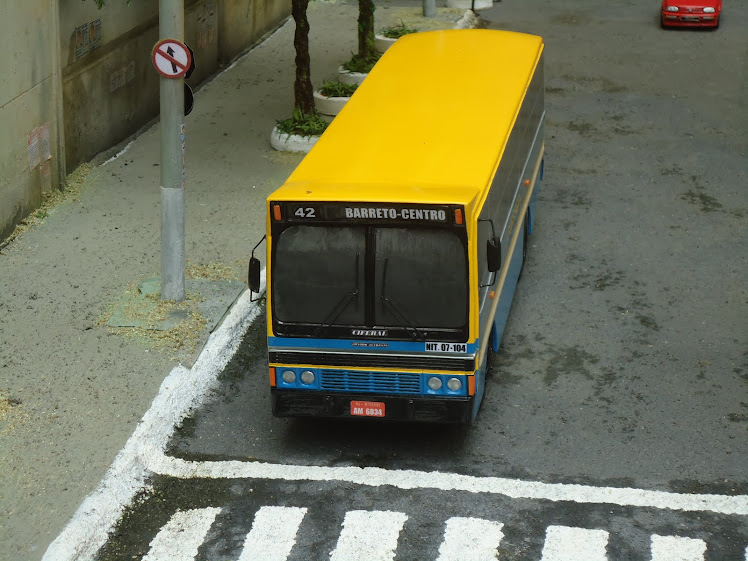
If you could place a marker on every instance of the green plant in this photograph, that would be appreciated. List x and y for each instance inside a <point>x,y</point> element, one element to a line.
<point>337,89</point>
<point>362,64</point>
<point>397,31</point>
<point>303,124</point>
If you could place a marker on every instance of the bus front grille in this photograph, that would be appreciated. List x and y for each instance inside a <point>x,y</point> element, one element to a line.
<point>365,360</point>
<point>370,382</point>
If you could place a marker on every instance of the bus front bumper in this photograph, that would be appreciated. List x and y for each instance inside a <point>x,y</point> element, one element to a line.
<point>291,403</point>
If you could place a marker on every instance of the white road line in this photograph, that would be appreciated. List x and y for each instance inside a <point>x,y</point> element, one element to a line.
<point>675,548</point>
<point>470,539</point>
<point>410,479</point>
<point>574,544</point>
<point>182,535</point>
<point>369,536</point>
<point>273,533</point>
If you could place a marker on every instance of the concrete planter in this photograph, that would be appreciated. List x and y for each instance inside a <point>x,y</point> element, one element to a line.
<point>467,4</point>
<point>350,77</point>
<point>291,142</point>
<point>328,106</point>
<point>383,43</point>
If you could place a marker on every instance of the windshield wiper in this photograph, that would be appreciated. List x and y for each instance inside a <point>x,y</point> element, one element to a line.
<point>341,305</point>
<point>396,310</point>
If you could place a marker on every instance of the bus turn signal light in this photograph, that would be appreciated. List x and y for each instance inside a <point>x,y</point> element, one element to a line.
<point>458,216</point>
<point>277,213</point>
<point>272,376</point>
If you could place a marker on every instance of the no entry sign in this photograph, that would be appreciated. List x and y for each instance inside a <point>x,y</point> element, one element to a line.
<point>171,58</point>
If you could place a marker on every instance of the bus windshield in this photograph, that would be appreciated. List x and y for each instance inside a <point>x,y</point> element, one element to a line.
<point>370,276</point>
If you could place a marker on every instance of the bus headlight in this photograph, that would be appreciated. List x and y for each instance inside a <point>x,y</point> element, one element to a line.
<point>289,376</point>
<point>307,377</point>
<point>435,383</point>
<point>454,384</point>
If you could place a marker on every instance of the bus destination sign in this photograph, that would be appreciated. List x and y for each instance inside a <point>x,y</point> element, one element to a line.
<point>366,212</point>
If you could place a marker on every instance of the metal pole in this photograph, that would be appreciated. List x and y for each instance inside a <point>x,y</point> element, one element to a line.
<point>171,25</point>
<point>429,8</point>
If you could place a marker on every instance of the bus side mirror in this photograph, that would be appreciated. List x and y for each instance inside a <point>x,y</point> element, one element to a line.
<point>253,275</point>
<point>493,254</point>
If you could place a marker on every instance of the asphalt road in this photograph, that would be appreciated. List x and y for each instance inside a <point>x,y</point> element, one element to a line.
<point>623,364</point>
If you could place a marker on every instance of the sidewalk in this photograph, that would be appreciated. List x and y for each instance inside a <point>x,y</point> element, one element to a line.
<point>72,390</point>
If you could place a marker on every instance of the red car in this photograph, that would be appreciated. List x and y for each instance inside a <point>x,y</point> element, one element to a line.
<point>691,13</point>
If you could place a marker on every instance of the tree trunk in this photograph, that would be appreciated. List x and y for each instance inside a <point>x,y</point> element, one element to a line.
<point>303,90</point>
<point>366,46</point>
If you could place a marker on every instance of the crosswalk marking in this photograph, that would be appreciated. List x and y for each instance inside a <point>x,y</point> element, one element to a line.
<point>374,536</point>
<point>273,533</point>
<point>182,535</point>
<point>563,543</point>
<point>369,536</point>
<point>470,539</point>
<point>674,548</point>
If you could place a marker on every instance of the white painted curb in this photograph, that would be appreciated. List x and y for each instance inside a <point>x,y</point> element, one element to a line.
<point>181,393</point>
<point>291,142</point>
<point>468,21</point>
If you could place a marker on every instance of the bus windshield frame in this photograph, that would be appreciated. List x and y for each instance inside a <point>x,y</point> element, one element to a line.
<point>339,277</point>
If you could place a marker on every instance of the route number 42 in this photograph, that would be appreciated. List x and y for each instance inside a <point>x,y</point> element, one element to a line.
<point>305,212</point>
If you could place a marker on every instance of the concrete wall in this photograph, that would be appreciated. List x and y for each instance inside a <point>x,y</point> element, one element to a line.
<point>82,78</point>
<point>243,22</point>
<point>108,83</point>
<point>29,150</point>
<point>111,89</point>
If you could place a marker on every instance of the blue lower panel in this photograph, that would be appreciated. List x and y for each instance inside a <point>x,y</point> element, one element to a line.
<point>294,403</point>
<point>357,381</point>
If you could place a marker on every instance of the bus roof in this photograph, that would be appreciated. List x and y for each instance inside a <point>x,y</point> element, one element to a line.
<point>434,114</point>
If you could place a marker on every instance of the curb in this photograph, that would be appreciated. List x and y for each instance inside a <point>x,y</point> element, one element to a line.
<point>181,393</point>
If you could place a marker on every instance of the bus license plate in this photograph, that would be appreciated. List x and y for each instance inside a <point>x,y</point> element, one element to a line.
<point>367,408</point>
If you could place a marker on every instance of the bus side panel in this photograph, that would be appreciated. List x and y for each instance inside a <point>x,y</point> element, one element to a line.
<point>507,294</point>
<point>534,199</point>
<point>503,214</point>
<point>500,318</point>
<point>504,209</point>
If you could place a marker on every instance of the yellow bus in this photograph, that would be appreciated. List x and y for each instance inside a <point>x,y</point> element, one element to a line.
<point>395,247</point>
